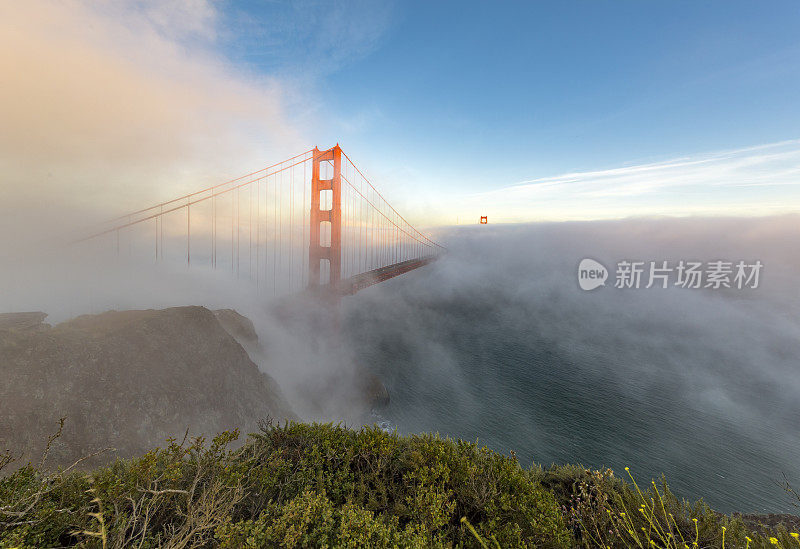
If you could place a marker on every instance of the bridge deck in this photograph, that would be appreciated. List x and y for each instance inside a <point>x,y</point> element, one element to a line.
<point>358,282</point>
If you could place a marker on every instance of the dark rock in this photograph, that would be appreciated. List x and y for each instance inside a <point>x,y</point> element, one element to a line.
<point>765,524</point>
<point>33,321</point>
<point>129,380</point>
<point>240,327</point>
<point>374,391</point>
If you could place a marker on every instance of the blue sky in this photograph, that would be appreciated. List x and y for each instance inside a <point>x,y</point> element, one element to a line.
<point>476,96</point>
<point>524,111</point>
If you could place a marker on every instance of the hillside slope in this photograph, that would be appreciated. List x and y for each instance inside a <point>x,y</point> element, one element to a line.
<point>127,380</point>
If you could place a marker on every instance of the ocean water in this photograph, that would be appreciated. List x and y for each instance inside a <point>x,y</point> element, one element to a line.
<point>497,343</point>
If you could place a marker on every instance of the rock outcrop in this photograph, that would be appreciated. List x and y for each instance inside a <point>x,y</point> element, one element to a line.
<point>15,323</point>
<point>128,380</point>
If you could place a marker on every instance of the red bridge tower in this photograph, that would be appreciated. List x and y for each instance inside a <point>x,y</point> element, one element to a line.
<point>316,251</point>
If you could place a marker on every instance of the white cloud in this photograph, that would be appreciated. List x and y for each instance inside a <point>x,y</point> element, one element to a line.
<point>182,17</point>
<point>109,106</point>
<point>759,180</point>
<point>308,38</point>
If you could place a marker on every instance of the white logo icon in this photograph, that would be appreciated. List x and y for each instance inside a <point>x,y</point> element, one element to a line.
<point>591,274</point>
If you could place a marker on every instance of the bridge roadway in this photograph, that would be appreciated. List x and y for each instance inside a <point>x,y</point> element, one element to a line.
<point>360,281</point>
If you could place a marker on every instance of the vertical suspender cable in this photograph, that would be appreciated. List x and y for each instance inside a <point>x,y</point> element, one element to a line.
<point>275,250</point>
<point>238,231</point>
<point>258,236</point>
<point>232,269</point>
<point>291,227</point>
<point>213,230</point>
<point>304,256</point>
<point>250,236</point>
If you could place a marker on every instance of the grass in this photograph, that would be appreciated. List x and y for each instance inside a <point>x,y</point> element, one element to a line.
<point>310,485</point>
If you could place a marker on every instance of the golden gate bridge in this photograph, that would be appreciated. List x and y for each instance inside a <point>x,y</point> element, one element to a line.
<point>313,221</point>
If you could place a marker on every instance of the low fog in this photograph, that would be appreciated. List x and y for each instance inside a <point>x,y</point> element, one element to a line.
<point>496,341</point>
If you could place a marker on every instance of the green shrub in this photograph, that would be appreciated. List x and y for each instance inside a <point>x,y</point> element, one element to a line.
<point>302,485</point>
<point>311,520</point>
<point>298,485</point>
<point>604,511</point>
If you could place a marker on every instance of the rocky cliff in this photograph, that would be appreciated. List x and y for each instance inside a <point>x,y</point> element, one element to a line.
<point>128,380</point>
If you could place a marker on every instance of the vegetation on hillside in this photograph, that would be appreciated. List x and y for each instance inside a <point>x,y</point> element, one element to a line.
<point>302,485</point>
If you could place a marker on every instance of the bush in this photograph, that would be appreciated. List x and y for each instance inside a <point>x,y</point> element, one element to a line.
<point>302,485</point>
<point>298,485</point>
<point>604,511</point>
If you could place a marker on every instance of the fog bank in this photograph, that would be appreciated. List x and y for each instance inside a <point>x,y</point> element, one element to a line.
<point>497,341</point>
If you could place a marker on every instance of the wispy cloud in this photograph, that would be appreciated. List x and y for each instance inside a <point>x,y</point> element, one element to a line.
<point>758,180</point>
<point>307,38</point>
